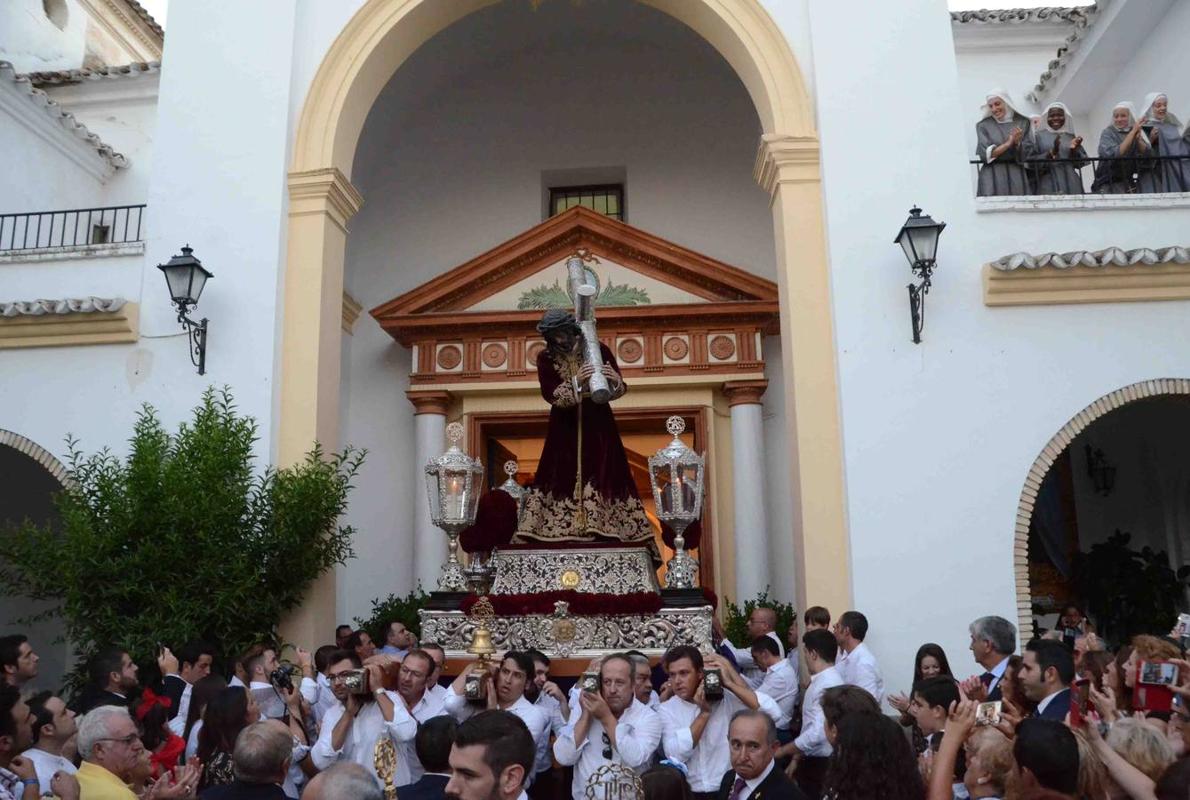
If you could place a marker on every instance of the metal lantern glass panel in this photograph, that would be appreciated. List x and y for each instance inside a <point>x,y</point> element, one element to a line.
<point>918,237</point>
<point>453,484</point>
<point>185,276</point>
<point>676,476</point>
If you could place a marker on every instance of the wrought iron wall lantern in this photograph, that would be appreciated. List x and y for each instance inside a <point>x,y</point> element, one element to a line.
<point>186,276</point>
<point>918,237</point>
<point>1101,473</point>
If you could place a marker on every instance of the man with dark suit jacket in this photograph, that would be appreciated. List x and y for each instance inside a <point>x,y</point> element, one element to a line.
<point>993,641</point>
<point>112,680</point>
<point>433,743</point>
<point>1047,670</point>
<point>752,742</point>
<point>194,660</point>
<point>262,754</point>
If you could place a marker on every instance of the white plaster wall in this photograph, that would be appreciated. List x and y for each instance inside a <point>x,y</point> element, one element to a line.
<point>782,498</point>
<point>938,437</point>
<point>1162,64</point>
<point>123,113</point>
<point>37,175</point>
<point>32,43</point>
<point>450,165</point>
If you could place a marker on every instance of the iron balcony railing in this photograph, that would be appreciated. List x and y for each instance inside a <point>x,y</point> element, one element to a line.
<point>76,227</point>
<point>1061,176</point>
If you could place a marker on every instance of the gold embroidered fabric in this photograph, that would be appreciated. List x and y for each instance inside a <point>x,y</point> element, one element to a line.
<point>546,518</point>
<point>564,396</point>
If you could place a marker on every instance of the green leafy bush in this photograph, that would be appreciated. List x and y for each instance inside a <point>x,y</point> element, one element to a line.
<point>394,609</point>
<point>735,619</point>
<point>182,538</point>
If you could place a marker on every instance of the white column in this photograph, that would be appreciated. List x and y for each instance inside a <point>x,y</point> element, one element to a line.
<point>750,520</point>
<point>429,542</point>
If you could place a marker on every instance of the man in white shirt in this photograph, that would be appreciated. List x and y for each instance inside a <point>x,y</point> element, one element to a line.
<point>412,677</point>
<point>398,640</point>
<point>506,691</point>
<point>642,674</point>
<point>357,722</point>
<point>260,669</point>
<point>761,622</point>
<point>551,701</point>
<point>612,727</point>
<point>194,660</point>
<point>17,659</point>
<point>811,751</point>
<point>491,758</point>
<point>856,664</point>
<point>53,725</point>
<point>779,681</point>
<point>694,728</point>
<point>993,640</point>
<point>315,687</point>
<point>439,655</point>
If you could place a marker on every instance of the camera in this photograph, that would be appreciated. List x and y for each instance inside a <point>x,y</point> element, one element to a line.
<point>282,676</point>
<point>712,684</point>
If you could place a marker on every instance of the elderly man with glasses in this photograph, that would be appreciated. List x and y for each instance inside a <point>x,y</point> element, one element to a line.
<point>110,748</point>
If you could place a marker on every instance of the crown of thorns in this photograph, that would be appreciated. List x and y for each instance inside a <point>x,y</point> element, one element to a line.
<point>556,319</point>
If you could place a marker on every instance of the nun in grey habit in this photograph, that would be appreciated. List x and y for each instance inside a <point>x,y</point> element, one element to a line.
<point>1055,154</point>
<point>1123,149</point>
<point>1167,138</point>
<point>999,136</point>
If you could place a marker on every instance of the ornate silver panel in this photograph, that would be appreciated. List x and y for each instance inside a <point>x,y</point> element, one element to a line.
<point>613,570</point>
<point>564,635</point>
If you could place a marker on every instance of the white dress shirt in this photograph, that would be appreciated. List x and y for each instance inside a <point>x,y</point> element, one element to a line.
<point>318,693</point>
<point>638,730</point>
<point>360,743</point>
<point>860,668</point>
<point>192,740</point>
<point>428,707</point>
<point>47,764</point>
<point>177,724</point>
<point>534,718</point>
<point>780,683</point>
<point>751,673</point>
<point>440,692</point>
<point>553,712</point>
<point>812,740</point>
<point>707,761</point>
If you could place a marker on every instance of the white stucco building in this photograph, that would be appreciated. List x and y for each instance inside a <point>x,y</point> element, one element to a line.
<point>326,159</point>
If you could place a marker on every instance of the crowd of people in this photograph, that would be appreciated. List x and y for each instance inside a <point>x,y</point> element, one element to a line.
<point>1042,155</point>
<point>800,713</point>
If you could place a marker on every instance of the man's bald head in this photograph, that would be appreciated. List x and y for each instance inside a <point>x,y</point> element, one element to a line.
<point>345,779</point>
<point>762,621</point>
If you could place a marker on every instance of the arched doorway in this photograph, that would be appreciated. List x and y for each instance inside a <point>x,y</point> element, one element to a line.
<point>374,44</point>
<point>32,476</point>
<point>1116,468</point>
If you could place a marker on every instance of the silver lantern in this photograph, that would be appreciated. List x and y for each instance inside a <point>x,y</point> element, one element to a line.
<point>453,483</point>
<point>676,473</point>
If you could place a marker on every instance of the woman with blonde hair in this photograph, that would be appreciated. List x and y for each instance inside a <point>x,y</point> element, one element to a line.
<point>989,763</point>
<point>1141,746</point>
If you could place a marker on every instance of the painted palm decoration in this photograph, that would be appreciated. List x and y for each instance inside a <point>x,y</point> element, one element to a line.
<point>555,296</point>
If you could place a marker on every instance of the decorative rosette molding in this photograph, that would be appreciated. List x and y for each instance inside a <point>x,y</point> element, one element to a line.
<point>70,305</point>
<point>1110,275</point>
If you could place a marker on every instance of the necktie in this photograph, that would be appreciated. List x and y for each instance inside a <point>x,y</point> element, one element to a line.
<point>737,789</point>
<point>986,679</point>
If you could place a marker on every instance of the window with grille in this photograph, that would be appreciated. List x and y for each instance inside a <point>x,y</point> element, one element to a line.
<point>605,199</point>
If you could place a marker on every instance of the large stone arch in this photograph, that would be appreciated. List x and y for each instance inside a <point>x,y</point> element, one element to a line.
<point>1041,467</point>
<point>366,53</point>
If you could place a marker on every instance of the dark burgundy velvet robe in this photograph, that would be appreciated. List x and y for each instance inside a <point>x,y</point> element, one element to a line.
<point>610,499</point>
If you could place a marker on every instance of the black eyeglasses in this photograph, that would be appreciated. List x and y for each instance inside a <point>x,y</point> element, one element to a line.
<point>132,737</point>
<point>607,746</point>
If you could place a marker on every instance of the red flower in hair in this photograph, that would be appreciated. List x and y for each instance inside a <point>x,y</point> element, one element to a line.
<point>148,699</point>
